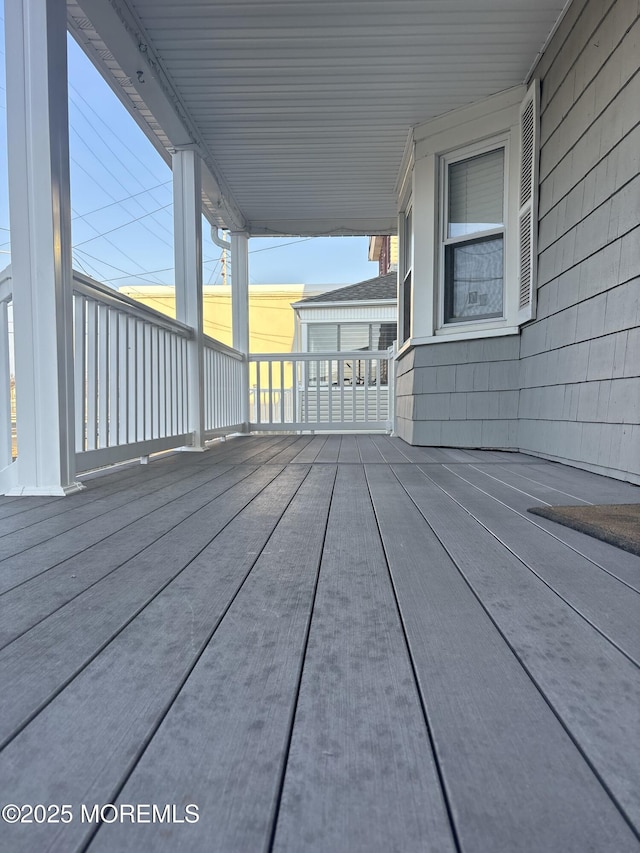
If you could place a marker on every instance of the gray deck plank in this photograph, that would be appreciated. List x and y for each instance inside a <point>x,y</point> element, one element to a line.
<point>360,774</point>
<point>592,686</point>
<point>522,785</point>
<point>115,491</point>
<point>106,715</point>
<point>368,450</point>
<point>603,600</point>
<point>42,556</point>
<point>293,449</point>
<point>109,498</point>
<point>348,450</point>
<point>310,452</point>
<point>393,450</point>
<point>227,734</point>
<point>330,450</point>
<point>33,600</point>
<point>106,500</point>
<point>492,480</point>
<point>538,491</point>
<point>583,484</point>
<point>59,646</point>
<point>115,674</point>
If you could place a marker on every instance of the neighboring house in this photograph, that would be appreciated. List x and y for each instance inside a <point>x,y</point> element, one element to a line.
<point>520,256</point>
<point>384,250</point>
<point>360,317</point>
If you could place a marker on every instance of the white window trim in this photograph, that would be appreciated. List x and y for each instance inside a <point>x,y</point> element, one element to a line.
<point>462,133</point>
<point>405,265</point>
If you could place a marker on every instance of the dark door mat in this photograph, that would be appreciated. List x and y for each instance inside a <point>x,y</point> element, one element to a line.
<point>617,524</point>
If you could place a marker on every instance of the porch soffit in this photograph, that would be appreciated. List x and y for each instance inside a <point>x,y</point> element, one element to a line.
<point>301,109</point>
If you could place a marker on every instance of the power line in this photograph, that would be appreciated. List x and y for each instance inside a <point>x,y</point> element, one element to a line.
<point>113,266</point>
<point>110,129</point>
<point>118,227</point>
<point>108,193</point>
<point>281,246</point>
<point>121,201</point>
<point>129,275</point>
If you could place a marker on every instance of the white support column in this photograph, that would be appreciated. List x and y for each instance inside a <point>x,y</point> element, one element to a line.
<point>240,308</point>
<point>40,214</point>
<point>187,217</point>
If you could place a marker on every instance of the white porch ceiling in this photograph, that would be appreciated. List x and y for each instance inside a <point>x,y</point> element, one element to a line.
<point>301,108</point>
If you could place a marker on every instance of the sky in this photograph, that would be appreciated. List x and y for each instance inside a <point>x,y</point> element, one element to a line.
<point>121,200</point>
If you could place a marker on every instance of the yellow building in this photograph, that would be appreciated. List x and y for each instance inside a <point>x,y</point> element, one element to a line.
<point>272,320</point>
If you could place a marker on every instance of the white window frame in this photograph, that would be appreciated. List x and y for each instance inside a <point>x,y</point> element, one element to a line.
<point>478,127</point>
<point>498,142</point>
<point>405,259</point>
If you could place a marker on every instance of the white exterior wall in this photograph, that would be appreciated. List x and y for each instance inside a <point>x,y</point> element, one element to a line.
<point>568,387</point>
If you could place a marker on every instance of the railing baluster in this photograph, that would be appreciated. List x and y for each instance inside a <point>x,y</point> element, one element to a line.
<point>79,367</point>
<point>366,390</point>
<point>354,389</point>
<point>123,377</point>
<point>114,378</point>
<point>103,377</point>
<point>258,394</point>
<point>92,376</point>
<point>282,412</point>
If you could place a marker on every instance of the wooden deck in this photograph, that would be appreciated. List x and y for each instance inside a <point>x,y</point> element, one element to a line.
<point>326,644</point>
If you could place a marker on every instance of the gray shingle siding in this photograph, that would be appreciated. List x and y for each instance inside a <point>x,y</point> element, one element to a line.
<point>575,369</point>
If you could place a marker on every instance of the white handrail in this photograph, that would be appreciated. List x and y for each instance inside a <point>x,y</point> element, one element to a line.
<point>218,346</point>
<point>107,296</point>
<point>367,355</point>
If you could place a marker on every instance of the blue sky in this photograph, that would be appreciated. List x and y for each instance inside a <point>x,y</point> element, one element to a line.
<point>117,177</point>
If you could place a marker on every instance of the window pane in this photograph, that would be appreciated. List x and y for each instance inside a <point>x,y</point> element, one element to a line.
<point>408,241</point>
<point>473,279</point>
<point>382,335</point>
<point>323,337</point>
<point>476,194</point>
<point>406,308</point>
<point>354,337</point>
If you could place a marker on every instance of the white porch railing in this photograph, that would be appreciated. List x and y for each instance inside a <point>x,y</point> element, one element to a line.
<point>131,389</point>
<point>322,391</point>
<point>130,377</point>
<point>223,388</point>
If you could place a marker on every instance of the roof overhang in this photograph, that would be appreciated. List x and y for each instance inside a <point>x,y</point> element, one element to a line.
<point>302,112</point>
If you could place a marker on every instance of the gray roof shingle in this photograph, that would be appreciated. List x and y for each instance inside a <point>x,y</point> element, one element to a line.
<point>382,287</point>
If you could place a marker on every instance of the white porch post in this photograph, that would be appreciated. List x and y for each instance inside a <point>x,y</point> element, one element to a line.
<point>240,308</point>
<point>187,215</point>
<point>40,215</point>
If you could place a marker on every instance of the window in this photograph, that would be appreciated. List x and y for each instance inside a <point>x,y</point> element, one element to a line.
<point>407,267</point>
<point>349,337</point>
<point>473,238</point>
<point>469,228</point>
